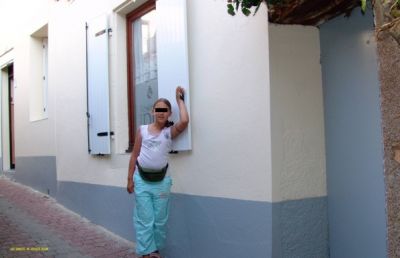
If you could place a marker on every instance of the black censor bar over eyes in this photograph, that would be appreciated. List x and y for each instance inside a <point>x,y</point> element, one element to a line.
<point>161,109</point>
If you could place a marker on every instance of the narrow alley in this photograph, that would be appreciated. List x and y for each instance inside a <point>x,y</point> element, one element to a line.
<point>33,224</point>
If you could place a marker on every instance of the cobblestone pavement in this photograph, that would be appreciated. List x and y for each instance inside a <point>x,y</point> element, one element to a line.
<point>34,225</point>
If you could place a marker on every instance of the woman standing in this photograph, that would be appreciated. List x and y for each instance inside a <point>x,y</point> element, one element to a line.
<point>148,177</point>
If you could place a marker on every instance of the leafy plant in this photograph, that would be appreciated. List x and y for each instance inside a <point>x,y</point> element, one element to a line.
<point>244,5</point>
<point>363,5</point>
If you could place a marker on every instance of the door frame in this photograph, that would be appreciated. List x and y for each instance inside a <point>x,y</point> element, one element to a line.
<point>11,113</point>
<point>5,139</point>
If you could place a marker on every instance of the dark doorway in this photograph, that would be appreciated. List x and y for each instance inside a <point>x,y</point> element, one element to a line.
<point>11,114</point>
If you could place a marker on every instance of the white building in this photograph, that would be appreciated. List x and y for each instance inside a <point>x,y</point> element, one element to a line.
<point>250,175</point>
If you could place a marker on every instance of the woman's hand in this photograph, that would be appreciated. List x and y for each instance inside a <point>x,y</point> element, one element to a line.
<point>180,92</point>
<point>130,186</point>
<point>183,122</point>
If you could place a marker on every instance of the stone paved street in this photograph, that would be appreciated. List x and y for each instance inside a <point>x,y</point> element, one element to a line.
<point>34,225</point>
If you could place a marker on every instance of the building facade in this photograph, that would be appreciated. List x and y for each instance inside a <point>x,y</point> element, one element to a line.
<point>253,171</point>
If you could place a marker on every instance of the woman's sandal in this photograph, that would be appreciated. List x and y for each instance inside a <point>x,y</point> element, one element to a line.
<point>155,255</point>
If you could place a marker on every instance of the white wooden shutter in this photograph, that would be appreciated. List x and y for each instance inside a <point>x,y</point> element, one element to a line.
<point>97,86</point>
<point>172,59</point>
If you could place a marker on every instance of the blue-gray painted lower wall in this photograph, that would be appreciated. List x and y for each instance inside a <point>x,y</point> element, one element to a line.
<point>38,172</point>
<point>301,228</point>
<point>203,227</point>
<point>208,227</point>
<point>111,207</point>
<point>199,227</point>
<point>356,193</point>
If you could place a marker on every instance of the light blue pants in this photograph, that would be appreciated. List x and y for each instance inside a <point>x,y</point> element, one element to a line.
<point>151,213</point>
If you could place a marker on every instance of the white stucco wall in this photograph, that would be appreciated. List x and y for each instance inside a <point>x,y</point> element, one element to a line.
<point>230,109</point>
<point>229,104</point>
<point>298,144</point>
<point>69,50</point>
<point>19,20</point>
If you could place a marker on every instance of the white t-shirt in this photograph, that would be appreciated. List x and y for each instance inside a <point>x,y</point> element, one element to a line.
<point>155,148</point>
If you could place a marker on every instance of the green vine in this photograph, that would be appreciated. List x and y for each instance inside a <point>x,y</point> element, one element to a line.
<point>363,5</point>
<point>395,9</point>
<point>244,5</point>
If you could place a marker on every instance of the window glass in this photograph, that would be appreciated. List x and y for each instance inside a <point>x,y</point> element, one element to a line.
<point>145,67</point>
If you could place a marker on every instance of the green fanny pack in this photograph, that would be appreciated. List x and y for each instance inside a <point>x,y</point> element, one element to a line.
<point>152,175</point>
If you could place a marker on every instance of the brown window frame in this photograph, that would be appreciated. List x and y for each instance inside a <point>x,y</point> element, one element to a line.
<point>130,18</point>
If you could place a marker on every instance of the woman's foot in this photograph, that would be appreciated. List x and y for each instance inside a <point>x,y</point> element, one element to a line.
<point>155,254</point>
